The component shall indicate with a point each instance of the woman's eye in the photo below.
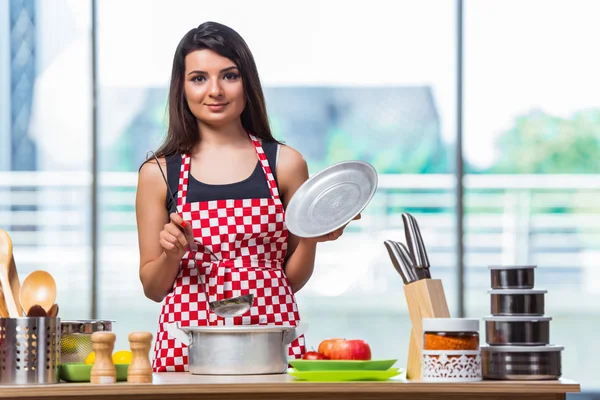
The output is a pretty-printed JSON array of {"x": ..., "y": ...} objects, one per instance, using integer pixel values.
[
  {"x": 231, "y": 76},
  {"x": 198, "y": 78}
]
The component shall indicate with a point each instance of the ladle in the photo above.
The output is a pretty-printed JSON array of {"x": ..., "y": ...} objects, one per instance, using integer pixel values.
[
  {"x": 233, "y": 306},
  {"x": 38, "y": 288}
]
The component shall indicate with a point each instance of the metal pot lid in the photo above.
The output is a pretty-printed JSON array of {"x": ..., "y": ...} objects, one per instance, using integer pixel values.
[
  {"x": 512, "y": 267},
  {"x": 522, "y": 349},
  {"x": 331, "y": 198},
  {"x": 238, "y": 328},
  {"x": 516, "y": 318},
  {"x": 517, "y": 291}
]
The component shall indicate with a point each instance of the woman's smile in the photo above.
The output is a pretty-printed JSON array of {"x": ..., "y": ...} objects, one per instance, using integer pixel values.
[{"x": 216, "y": 107}]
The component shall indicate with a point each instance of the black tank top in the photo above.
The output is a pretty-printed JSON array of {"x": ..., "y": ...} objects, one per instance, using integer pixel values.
[{"x": 255, "y": 186}]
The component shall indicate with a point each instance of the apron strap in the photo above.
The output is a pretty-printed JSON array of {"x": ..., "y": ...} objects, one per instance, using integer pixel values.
[
  {"x": 184, "y": 175},
  {"x": 264, "y": 162},
  {"x": 262, "y": 157}
]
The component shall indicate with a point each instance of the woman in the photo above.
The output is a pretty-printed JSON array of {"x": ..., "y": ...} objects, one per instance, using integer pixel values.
[{"x": 232, "y": 181}]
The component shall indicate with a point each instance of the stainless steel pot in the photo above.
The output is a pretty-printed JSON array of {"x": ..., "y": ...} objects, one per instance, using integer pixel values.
[
  {"x": 512, "y": 276},
  {"x": 521, "y": 362},
  {"x": 517, "y": 302},
  {"x": 518, "y": 331},
  {"x": 237, "y": 350}
]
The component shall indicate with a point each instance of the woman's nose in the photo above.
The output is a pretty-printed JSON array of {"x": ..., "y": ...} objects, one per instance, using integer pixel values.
[{"x": 215, "y": 89}]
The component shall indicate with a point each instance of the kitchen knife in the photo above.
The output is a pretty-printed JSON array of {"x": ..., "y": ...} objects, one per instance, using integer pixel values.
[
  {"x": 395, "y": 257},
  {"x": 416, "y": 245},
  {"x": 419, "y": 273},
  {"x": 424, "y": 263}
]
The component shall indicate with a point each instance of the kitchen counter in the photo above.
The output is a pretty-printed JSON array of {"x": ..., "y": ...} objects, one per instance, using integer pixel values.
[{"x": 187, "y": 386}]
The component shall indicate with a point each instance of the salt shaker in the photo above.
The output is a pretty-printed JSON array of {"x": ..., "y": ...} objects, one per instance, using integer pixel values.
[
  {"x": 103, "y": 370},
  {"x": 140, "y": 370}
]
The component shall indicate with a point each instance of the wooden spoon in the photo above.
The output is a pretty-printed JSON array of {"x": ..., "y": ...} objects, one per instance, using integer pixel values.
[
  {"x": 7, "y": 275},
  {"x": 53, "y": 311},
  {"x": 3, "y": 310},
  {"x": 38, "y": 288},
  {"x": 15, "y": 284},
  {"x": 37, "y": 311}
]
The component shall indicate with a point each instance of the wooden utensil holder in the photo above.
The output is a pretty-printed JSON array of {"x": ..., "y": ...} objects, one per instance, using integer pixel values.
[{"x": 425, "y": 299}]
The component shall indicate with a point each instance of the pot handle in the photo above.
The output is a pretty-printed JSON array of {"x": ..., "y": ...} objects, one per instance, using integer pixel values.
[
  {"x": 176, "y": 333},
  {"x": 293, "y": 334}
]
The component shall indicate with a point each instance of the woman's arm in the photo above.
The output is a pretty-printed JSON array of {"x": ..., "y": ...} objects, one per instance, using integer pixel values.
[
  {"x": 161, "y": 243},
  {"x": 292, "y": 171}
]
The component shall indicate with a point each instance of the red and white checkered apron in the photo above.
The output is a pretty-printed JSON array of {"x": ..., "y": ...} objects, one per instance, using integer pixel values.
[{"x": 248, "y": 242}]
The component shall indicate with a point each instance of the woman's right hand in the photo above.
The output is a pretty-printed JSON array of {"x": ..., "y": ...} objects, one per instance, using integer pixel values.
[{"x": 172, "y": 239}]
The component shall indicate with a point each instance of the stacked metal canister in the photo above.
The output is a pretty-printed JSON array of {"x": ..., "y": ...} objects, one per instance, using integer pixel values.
[{"x": 518, "y": 331}]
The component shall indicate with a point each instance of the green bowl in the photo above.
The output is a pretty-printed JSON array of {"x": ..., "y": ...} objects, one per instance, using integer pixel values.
[{"x": 80, "y": 372}]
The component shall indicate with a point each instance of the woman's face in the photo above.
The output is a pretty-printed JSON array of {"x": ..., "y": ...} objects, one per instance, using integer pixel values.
[{"x": 213, "y": 88}]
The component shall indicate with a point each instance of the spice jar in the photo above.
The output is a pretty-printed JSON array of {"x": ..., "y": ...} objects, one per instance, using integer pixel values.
[{"x": 451, "y": 350}]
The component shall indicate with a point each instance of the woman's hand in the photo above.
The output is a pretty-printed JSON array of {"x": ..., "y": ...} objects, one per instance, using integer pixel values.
[
  {"x": 172, "y": 239},
  {"x": 332, "y": 235}
]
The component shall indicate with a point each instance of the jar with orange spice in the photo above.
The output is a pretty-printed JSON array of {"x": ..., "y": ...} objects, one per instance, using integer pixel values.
[{"x": 451, "y": 350}]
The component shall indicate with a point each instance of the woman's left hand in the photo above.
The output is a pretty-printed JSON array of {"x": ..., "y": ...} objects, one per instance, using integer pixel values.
[{"x": 332, "y": 235}]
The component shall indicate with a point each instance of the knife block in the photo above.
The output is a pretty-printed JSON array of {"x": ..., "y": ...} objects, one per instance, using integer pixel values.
[{"x": 425, "y": 299}]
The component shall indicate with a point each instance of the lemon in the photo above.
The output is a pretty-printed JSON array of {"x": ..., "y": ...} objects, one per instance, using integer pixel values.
[
  {"x": 119, "y": 357},
  {"x": 122, "y": 357},
  {"x": 90, "y": 358}
]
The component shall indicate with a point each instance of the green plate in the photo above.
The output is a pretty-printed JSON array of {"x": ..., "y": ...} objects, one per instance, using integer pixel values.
[
  {"x": 341, "y": 365},
  {"x": 80, "y": 372},
  {"x": 337, "y": 376}
]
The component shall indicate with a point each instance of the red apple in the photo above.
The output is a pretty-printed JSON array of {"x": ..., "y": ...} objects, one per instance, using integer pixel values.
[
  {"x": 353, "y": 349},
  {"x": 314, "y": 355},
  {"x": 326, "y": 345}
]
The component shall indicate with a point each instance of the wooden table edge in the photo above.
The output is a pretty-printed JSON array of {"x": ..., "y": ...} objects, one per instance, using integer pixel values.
[{"x": 562, "y": 386}]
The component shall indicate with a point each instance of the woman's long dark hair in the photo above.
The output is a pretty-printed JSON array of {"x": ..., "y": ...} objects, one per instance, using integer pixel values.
[{"x": 182, "y": 134}]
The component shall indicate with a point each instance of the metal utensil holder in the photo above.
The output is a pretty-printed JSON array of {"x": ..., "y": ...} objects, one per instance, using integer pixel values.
[{"x": 29, "y": 350}]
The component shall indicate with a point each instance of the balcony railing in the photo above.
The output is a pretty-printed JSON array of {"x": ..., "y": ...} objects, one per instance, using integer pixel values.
[{"x": 549, "y": 220}]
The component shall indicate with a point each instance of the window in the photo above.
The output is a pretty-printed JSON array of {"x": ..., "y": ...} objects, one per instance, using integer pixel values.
[
  {"x": 378, "y": 85},
  {"x": 45, "y": 143},
  {"x": 532, "y": 145}
]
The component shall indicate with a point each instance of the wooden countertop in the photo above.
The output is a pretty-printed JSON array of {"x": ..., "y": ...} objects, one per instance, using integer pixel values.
[{"x": 185, "y": 385}]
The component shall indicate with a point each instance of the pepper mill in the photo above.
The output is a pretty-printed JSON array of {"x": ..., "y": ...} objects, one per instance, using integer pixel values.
[
  {"x": 103, "y": 370},
  {"x": 140, "y": 370}
]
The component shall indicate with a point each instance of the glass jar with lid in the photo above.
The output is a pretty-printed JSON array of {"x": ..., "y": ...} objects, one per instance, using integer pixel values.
[{"x": 451, "y": 350}]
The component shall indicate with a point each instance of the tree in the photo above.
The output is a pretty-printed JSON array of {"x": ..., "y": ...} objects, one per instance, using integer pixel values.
[{"x": 540, "y": 143}]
